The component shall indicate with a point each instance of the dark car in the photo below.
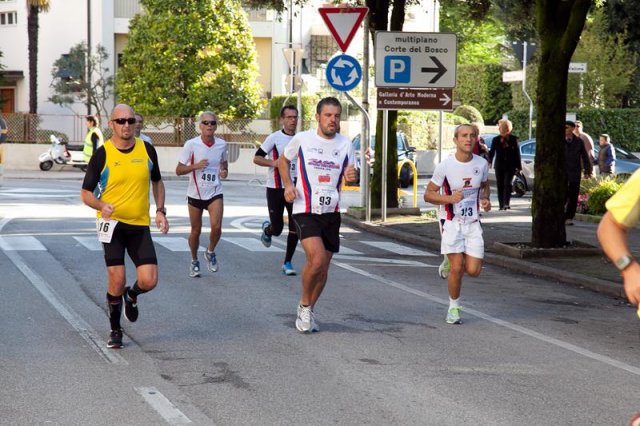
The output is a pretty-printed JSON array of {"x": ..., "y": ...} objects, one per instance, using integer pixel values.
[{"x": 405, "y": 152}]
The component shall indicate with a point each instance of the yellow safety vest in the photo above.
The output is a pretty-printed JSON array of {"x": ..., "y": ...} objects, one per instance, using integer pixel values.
[{"x": 88, "y": 143}]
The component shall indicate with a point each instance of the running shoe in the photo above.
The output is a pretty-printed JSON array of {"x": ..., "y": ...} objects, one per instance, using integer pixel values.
[
  {"x": 444, "y": 268},
  {"x": 212, "y": 262},
  {"x": 130, "y": 306},
  {"x": 453, "y": 316},
  {"x": 287, "y": 269},
  {"x": 265, "y": 238},
  {"x": 115, "y": 339},
  {"x": 194, "y": 269},
  {"x": 303, "y": 321}
]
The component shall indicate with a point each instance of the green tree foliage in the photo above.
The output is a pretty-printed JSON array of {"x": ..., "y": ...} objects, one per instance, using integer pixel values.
[
  {"x": 34, "y": 7},
  {"x": 480, "y": 37},
  {"x": 481, "y": 86},
  {"x": 185, "y": 57},
  {"x": 610, "y": 67},
  {"x": 70, "y": 84}
]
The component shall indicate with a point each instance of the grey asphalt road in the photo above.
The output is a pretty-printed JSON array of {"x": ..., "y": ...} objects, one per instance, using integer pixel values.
[{"x": 222, "y": 349}]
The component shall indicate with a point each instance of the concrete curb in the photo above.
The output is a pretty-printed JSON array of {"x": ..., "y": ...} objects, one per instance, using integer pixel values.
[{"x": 519, "y": 265}]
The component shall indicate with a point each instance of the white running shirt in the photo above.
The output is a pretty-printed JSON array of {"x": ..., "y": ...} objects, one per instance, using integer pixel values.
[
  {"x": 321, "y": 165},
  {"x": 274, "y": 146},
  {"x": 452, "y": 175},
  {"x": 204, "y": 184}
]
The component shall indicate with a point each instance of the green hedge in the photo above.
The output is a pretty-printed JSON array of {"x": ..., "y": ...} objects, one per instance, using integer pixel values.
[
  {"x": 481, "y": 86},
  {"x": 307, "y": 114}
]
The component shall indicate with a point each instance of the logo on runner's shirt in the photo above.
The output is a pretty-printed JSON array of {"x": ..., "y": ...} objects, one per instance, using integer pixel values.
[
  {"x": 324, "y": 164},
  {"x": 467, "y": 182},
  {"x": 324, "y": 179}
]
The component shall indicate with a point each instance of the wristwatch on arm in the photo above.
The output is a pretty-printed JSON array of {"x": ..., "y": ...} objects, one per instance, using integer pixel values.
[
  {"x": 623, "y": 262},
  {"x": 162, "y": 210}
]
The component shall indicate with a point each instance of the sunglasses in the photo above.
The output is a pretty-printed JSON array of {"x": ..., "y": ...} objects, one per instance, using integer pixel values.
[
  {"x": 122, "y": 121},
  {"x": 207, "y": 122}
]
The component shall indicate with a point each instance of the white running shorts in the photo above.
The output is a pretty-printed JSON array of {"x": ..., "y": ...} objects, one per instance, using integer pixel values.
[{"x": 461, "y": 237}]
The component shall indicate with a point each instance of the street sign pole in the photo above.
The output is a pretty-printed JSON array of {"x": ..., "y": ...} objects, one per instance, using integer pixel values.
[
  {"x": 524, "y": 87},
  {"x": 383, "y": 181}
]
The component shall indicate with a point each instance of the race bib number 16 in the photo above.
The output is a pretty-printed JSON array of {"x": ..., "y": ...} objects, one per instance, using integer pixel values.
[{"x": 105, "y": 229}]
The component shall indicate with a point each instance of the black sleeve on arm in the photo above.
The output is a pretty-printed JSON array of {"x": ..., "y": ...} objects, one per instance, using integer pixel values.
[
  {"x": 94, "y": 140},
  {"x": 153, "y": 155},
  {"x": 260, "y": 153},
  {"x": 96, "y": 164}
]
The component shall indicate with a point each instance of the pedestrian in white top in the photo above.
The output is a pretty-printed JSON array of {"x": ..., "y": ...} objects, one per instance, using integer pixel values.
[
  {"x": 267, "y": 156},
  {"x": 463, "y": 178},
  {"x": 204, "y": 159},
  {"x": 323, "y": 157}
]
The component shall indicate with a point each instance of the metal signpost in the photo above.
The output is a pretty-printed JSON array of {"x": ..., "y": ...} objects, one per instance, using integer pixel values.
[{"x": 411, "y": 60}]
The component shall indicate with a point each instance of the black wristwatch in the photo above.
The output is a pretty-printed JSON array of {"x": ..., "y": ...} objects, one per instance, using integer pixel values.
[
  {"x": 623, "y": 262},
  {"x": 162, "y": 210}
]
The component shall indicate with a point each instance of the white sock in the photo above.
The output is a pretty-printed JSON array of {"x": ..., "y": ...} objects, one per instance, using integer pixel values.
[{"x": 454, "y": 303}]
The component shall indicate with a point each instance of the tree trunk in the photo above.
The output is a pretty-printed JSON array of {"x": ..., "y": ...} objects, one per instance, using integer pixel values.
[
  {"x": 559, "y": 26},
  {"x": 32, "y": 32}
]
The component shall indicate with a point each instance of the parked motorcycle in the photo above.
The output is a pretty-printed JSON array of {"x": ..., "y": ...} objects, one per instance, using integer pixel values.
[{"x": 58, "y": 153}]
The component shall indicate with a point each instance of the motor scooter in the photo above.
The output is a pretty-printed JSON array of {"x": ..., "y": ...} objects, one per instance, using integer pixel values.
[{"x": 58, "y": 153}]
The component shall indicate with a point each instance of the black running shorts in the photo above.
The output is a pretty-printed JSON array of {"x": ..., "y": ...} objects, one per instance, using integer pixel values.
[
  {"x": 136, "y": 240},
  {"x": 202, "y": 204},
  {"x": 325, "y": 226}
]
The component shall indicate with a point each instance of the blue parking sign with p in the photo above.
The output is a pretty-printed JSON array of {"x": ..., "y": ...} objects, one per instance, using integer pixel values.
[{"x": 397, "y": 69}]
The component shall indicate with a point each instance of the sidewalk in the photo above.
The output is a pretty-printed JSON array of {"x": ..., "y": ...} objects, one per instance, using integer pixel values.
[{"x": 592, "y": 272}]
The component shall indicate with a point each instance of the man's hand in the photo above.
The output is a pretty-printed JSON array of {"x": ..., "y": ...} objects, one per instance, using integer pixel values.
[
  {"x": 456, "y": 197},
  {"x": 106, "y": 211},
  {"x": 290, "y": 193},
  {"x": 162, "y": 223},
  {"x": 631, "y": 277},
  {"x": 350, "y": 174},
  {"x": 485, "y": 203},
  {"x": 201, "y": 164}
]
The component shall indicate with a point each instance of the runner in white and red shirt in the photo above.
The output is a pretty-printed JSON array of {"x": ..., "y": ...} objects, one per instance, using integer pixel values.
[
  {"x": 267, "y": 156},
  {"x": 204, "y": 159},
  {"x": 323, "y": 157},
  {"x": 464, "y": 179}
]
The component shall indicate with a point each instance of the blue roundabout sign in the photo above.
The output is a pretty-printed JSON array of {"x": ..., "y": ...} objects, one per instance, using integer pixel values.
[{"x": 344, "y": 72}]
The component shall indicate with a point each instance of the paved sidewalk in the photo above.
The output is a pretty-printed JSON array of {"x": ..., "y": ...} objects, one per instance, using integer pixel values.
[{"x": 592, "y": 272}]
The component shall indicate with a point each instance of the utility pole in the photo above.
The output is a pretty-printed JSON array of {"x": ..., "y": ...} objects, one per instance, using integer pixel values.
[{"x": 88, "y": 57}]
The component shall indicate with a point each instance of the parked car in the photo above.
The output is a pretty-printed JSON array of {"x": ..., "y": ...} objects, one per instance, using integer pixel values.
[
  {"x": 626, "y": 162},
  {"x": 405, "y": 152}
]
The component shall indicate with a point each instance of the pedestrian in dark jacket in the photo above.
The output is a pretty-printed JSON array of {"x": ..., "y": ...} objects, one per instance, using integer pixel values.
[
  {"x": 606, "y": 156},
  {"x": 575, "y": 156},
  {"x": 506, "y": 153}
]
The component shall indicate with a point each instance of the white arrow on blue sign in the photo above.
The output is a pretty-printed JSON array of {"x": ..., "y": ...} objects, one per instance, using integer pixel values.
[{"x": 344, "y": 73}]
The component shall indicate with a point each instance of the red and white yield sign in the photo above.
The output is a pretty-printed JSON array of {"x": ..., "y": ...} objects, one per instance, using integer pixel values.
[{"x": 343, "y": 23}]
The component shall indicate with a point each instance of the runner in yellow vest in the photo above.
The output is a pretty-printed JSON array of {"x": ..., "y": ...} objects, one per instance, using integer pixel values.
[{"x": 94, "y": 139}]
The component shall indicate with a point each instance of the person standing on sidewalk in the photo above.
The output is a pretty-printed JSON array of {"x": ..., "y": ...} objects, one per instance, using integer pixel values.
[
  {"x": 464, "y": 178},
  {"x": 606, "y": 156},
  {"x": 623, "y": 213},
  {"x": 204, "y": 159},
  {"x": 576, "y": 158},
  {"x": 506, "y": 152},
  {"x": 93, "y": 139},
  {"x": 116, "y": 185},
  {"x": 323, "y": 158},
  {"x": 587, "y": 142},
  {"x": 273, "y": 147}
]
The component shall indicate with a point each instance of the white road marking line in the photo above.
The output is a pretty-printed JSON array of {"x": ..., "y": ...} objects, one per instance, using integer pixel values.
[
  {"x": 15, "y": 243},
  {"x": 348, "y": 251},
  {"x": 523, "y": 330},
  {"x": 84, "y": 329},
  {"x": 91, "y": 243},
  {"x": 251, "y": 244},
  {"x": 397, "y": 248},
  {"x": 398, "y": 262},
  {"x": 163, "y": 406}
]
